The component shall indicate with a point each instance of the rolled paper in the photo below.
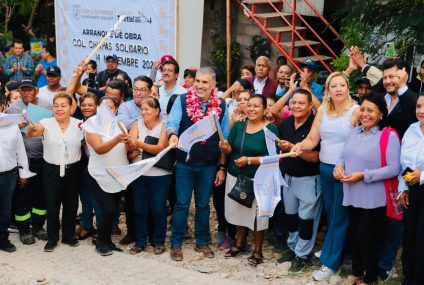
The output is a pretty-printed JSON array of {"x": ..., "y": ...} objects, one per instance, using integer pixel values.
[
  {"x": 220, "y": 134},
  {"x": 288, "y": 154},
  {"x": 114, "y": 29},
  {"x": 122, "y": 128}
]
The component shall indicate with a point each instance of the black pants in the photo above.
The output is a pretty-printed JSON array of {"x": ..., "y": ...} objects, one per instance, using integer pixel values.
[
  {"x": 29, "y": 201},
  {"x": 365, "y": 228},
  {"x": 109, "y": 205},
  {"x": 129, "y": 210},
  {"x": 61, "y": 191},
  {"x": 413, "y": 238},
  {"x": 218, "y": 203}
]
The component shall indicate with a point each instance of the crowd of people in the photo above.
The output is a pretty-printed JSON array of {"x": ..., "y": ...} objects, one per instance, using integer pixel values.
[{"x": 357, "y": 169}]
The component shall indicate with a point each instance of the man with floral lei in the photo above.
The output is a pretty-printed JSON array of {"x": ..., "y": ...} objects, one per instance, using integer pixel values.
[{"x": 203, "y": 168}]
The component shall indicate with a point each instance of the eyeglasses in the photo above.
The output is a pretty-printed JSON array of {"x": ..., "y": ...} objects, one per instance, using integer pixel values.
[{"x": 142, "y": 90}]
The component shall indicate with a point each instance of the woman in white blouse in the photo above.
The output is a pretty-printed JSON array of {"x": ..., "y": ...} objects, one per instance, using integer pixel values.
[
  {"x": 62, "y": 139},
  {"x": 106, "y": 152},
  {"x": 412, "y": 198}
]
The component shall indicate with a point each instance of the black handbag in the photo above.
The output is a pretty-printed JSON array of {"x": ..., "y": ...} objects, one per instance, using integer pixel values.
[
  {"x": 167, "y": 162},
  {"x": 242, "y": 191}
]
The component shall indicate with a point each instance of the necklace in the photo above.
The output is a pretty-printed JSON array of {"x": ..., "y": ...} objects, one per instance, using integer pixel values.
[{"x": 194, "y": 108}]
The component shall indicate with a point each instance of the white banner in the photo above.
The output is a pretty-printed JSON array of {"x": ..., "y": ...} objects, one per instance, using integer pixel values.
[
  {"x": 267, "y": 186},
  {"x": 147, "y": 33},
  {"x": 200, "y": 131}
]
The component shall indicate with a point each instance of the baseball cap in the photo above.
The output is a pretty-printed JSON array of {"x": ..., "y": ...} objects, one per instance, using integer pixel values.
[
  {"x": 28, "y": 82},
  {"x": 164, "y": 58},
  {"x": 54, "y": 70},
  {"x": 311, "y": 64},
  {"x": 363, "y": 80},
  {"x": 112, "y": 57}
]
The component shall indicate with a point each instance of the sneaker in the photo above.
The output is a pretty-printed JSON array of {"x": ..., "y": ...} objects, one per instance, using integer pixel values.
[
  {"x": 7, "y": 246},
  {"x": 113, "y": 247},
  {"x": 103, "y": 249},
  {"x": 27, "y": 238},
  {"x": 13, "y": 228},
  {"x": 206, "y": 250},
  {"x": 50, "y": 246},
  {"x": 71, "y": 243},
  {"x": 116, "y": 231},
  {"x": 220, "y": 238},
  {"x": 176, "y": 253},
  {"x": 40, "y": 233},
  {"x": 317, "y": 254},
  {"x": 323, "y": 273},
  {"x": 299, "y": 264},
  {"x": 288, "y": 255}
]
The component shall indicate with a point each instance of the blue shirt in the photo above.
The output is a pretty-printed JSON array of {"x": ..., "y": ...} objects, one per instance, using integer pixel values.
[
  {"x": 317, "y": 90},
  {"x": 42, "y": 80},
  {"x": 176, "y": 114},
  {"x": 412, "y": 153},
  {"x": 25, "y": 60},
  {"x": 128, "y": 113},
  {"x": 164, "y": 97}
]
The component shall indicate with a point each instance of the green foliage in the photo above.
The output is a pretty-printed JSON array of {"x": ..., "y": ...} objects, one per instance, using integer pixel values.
[
  {"x": 370, "y": 24},
  {"x": 218, "y": 58},
  {"x": 260, "y": 46},
  {"x": 341, "y": 63}
]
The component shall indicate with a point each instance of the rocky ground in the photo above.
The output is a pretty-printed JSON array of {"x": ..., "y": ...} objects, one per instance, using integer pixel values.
[{"x": 82, "y": 265}]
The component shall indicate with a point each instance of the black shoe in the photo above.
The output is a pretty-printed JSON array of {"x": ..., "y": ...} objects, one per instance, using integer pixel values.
[
  {"x": 71, "y": 243},
  {"x": 26, "y": 238},
  {"x": 40, "y": 233},
  {"x": 113, "y": 247},
  {"x": 299, "y": 264},
  {"x": 7, "y": 246},
  {"x": 50, "y": 246},
  {"x": 287, "y": 256},
  {"x": 103, "y": 249}
]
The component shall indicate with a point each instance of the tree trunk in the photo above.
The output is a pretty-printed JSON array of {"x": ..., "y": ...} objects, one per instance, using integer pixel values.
[
  {"x": 8, "y": 16},
  {"x": 28, "y": 27}
]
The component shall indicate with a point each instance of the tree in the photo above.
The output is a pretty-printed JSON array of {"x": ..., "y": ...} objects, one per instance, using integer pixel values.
[{"x": 371, "y": 24}]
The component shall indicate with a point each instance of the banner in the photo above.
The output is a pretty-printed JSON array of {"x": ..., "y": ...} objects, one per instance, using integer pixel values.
[
  {"x": 200, "y": 131},
  {"x": 147, "y": 33},
  {"x": 102, "y": 121},
  {"x": 36, "y": 46},
  {"x": 8, "y": 120},
  {"x": 270, "y": 139},
  {"x": 267, "y": 186},
  {"x": 126, "y": 174}
]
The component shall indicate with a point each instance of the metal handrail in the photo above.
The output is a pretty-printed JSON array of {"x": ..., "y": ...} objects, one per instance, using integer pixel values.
[
  {"x": 308, "y": 46},
  {"x": 271, "y": 38}
]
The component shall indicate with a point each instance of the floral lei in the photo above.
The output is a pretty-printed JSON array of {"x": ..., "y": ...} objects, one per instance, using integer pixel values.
[{"x": 194, "y": 109}]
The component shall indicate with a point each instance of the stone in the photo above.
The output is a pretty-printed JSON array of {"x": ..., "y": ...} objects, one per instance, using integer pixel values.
[{"x": 204, "y": 269}]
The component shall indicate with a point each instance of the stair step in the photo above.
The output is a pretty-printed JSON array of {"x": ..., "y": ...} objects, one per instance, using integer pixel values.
[
  {"x": 312, "y": 57},
  {"x": 299, "y": 44},
  {"x": 260, "y": 1},
  {"x": 285, "y": 29},
  {"x": 271, "y": 15}
]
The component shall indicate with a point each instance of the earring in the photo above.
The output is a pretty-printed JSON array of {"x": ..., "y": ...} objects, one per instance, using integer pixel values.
[
  {"x": 328, "y": 98},
  {"x": 381, "y": 117}
]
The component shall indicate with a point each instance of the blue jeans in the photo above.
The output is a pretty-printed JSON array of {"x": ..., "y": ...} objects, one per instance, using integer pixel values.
[
  {"x": 150, "y": 194},
  {"x": 392, "y": 240},
  {"x": 337, "y": 218},
  {"x": 88, "y": 203},
  {"x": 7, "y": 186},
  {"x": 189, "y": 178}
]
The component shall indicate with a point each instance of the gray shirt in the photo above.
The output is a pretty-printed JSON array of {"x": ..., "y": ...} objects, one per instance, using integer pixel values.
[
  {"x": 362, "y": 153},
  {"x": 33, "y": 146}
]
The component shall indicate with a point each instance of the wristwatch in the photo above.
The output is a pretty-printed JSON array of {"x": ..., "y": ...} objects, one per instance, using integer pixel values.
[
  {"x": 249, "y": 162},
  {"x": 171, "y": 134}
]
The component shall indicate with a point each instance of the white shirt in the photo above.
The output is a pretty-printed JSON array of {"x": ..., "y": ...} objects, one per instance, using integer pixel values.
[
  {"x": 259, "y": 85},
  {"x": 98, "y": 163},
  {"x": 61, "y": 148},
  {"x": 12, "y": 151},
  {"x": 388, "y": 98},
  {"x": 412, "y": 153},
  {"x": 47, "y": 95}
]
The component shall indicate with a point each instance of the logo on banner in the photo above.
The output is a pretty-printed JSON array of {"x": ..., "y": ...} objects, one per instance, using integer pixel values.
[{"x": 76, "y": 11}]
